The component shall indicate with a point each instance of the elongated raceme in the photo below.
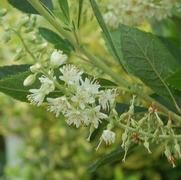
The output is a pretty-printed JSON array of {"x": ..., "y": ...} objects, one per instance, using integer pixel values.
[
  {"x": 85, "y": 103},
  {"x": 135, "y": 12}
]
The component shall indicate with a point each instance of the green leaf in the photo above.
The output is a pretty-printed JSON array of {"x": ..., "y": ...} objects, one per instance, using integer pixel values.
[
  {"x": 80, "y": 12},
  {"x": 106, "y": 32},
  {"x": 114, "y": 156},
  {"x": 56, "y": 40},
  {"x": 23, "y": 5},
  {"x": 65, "y": 8},
  {"x": 164, "y": 102},
  {"x": 172, "y": 47},
  {"x": 175, "y": 80},
  {"x": 147, "y": 58},
  {"x": 7, "y": 71},
  {"x": 59, "y": 14},
  {"x": 13, "y": 86},
  {"x": 121, "y": 108},
  {"x": 11, "y": 81}
]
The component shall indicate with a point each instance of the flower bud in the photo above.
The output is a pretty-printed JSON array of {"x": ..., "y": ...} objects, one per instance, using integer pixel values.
[
  {"x": 35, "y": 68},
  {"x": 169, "y": 156},
  {"x": 108, "y": 136},
  {"x": 29, "y": 80},
  {"x": 57, "y": 58}
]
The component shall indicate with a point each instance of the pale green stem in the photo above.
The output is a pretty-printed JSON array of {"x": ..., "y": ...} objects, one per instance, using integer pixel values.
[
  {"x": 52, "y": 20},
  {"x": 24, "y": 44},
  {"x": 123, "y": 126}
]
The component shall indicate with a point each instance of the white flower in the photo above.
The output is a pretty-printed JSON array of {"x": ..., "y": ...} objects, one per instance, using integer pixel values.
[
  {"x": 70, "y": 75},
  {"x": 76, "y": 117},
  {"x": 85, "y": 93},
  {"x": 108, "y": 136},
  {"x": 95, "y": 116},
  {"x": 107, "y": 98},
  {"x": 111, "y": 19},
  {"x": 82, "y": 98},
  {"x": 57, "y": 58},
  {"x": 35, "y": 68},
  {"x": 136, "y": 12},
  {"x": 29, "y": 80},
  {"x": 38, "y": 95},
  {"x": 58, "y": 105},
  {"x": 91, "y": 87},
  {"x": 47, "y": 85}
]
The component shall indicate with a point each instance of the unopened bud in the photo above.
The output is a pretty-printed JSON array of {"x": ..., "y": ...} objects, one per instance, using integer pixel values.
[
  {"x": 171, "y": 159},
  {"x": 29, "y": 80},
  {"x": 57, "y": 58},
  {"x": 35, "y": 68},
  {"x": 108, "y": 137},
  {"x": 169, "y": 156},
  {"x": 152, "y": 109}
]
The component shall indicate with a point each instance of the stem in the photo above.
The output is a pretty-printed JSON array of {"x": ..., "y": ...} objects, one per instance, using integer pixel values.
[
  {"x": 123, "y": 126},
  {"x": 99, "y": 63},
  {"x": 52, "y": 20},
  {"x": 24, "y": 44}
]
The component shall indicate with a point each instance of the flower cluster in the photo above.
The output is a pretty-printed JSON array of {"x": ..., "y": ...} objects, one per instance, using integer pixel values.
[
  {"x": 135, "y": 12},
  {"x": 83, "y": 103},
  {"x": 147, "y": 130}
]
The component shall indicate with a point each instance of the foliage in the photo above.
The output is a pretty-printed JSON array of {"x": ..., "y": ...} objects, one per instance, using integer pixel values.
[{"x": 124, "y": 66}]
